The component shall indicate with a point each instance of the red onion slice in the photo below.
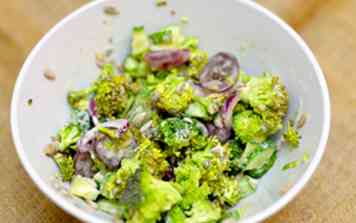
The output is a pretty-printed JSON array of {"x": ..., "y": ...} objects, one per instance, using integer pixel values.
[
  {"x": 167, "y": 59},
  {"x": 220, "y": 73},
  {"x": 83, "y": 164},
  {"x": 228, "y": 109},
  {"x": 93, "y": 111}
]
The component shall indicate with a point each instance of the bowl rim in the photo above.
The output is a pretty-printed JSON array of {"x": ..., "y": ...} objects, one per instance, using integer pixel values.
[{"x": 79, "y": 213}]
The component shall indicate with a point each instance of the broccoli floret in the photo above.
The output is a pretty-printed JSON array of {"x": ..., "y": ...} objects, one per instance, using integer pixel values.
[
  {"x": 197, "y": 61},
  {"x": 84, "y": 187},
  {"x": 135, "y": 68},
  {"x": 258, "y": 159},
  {"x": 177, "y": 132},
  {"x": 249, "y": 127},
  {"x": 197, "y": 110},
  {"x": 212, "y": 102},
  {"x": 82, "y": 119},
  {"x": 265, "y": 93},
  {"x": 235, "y": 155},
  {"x": 227, "y": 190},
  {"x": 141, "y": 110},
  {"x": 152, "y": 158},
  {"x": 111, "y": 96},
  {"x": 167, "y": 38},
  {"x": 65, "y": 165},
  {"x": 174, "y": 94},
  {"x": 164, "y": 36},
  {"x": 113, "y": 184},
  {"x": 79, "y": 100},
  {"x": 68, "y": 136},
  {"x": 175, "y": 215},
  {"x": 158, "y": 197},
  {"x": 204, "y": 211},
  {"x": 140, "y": 42},
  {"x": 291, "y": 136}
]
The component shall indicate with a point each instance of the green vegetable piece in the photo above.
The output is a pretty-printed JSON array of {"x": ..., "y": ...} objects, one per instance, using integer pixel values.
[
  {"x": 152, "y": 158},
  {"x": 198, "y": 59},
  {"x": 132, "y": 195},
  {"x": 164, "y": 36},
  {"x": 176, "y": 215},
  {"x": 140, "y": 42},
  {"x": 169, "y": 37},
  {"x": 79, "y": 100},
  {"x": 244, "y": 78},
  {"x": 82, "y": 119},
  {"x": 291, "y": 136},
  {"x": 257, "y": 159},
  {"x": 68, "y": 136},
  {"x": 111, "y": 96},
  {"x": 233, "y": 215},
  {"x": 249, "y": 127},
  {"x": 227, "y": 190},
  {"x": 212, "y": 103},
  {"x": 135, "y": 68},
  {"x": 84, "y": 187},
  {"x": 109, "y": 188},
  {"x": 197, "y": 110},
  {"x": 174, "y": 94},
  {"x": 108, "y": 206},
  {"x": 178, "y": 133},
  {"x": 184, "y": 19},
  {"x": 191, "y": 43},
  {"x": 296, "y": 163},
  {"x": 265, "y": 93},
  {"x": 158, "y": 197},
  {"x": 247, "y": 186},
  {"x": 65, "y": 165},
  {"x": 204, "y": 211}
]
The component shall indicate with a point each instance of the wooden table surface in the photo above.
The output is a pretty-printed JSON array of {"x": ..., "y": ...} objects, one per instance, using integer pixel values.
[{"x": 328, "y": 26}]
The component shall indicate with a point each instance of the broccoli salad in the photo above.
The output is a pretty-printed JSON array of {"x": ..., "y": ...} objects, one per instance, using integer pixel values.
[{"x": 174, "y": 136}]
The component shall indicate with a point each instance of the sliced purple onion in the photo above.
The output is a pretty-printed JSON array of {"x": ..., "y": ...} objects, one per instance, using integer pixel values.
[
  {"x": 88, "y": 141},
  {"x": 211, "y": 129},
  {"x": 203, "y": 128},
  {"x": 223, "y": 134},
  {"x": 109, "y": 158},
  {"x": 167, "y": 59},
  {"x": 83, "y": 164},
  {"x": 121, "y": 125},
  {"x": 228, "y": 109},
  {"x": 93, "y": 111},
  {"x": 220, "y": 73}
]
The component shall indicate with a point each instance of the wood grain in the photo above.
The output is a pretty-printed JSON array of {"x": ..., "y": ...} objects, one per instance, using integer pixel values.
[{"x": 326, "y": 25}]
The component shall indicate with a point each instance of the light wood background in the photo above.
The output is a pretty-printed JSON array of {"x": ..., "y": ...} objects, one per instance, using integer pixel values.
[{"x": 328, "y": 26}]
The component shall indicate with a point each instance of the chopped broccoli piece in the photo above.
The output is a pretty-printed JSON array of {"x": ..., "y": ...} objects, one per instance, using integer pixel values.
[
  {"x": 233, "y": 215},
  {"x": 108, "y": 187},
  {"x": 79, "y": 100},
  {"x": 82, "y": 119},
  {"x": 296, "y": 163},
  {"x": 169, "y": 37},
  {"x": 191, "y": 43},
  {"x": 132, "y": 195},
  {"x": 257, "y": 159},
  {"x": 178, "y": 133},
  {"x": 247, "y": 185},
  {"x": 108, "y": 206},
  {"x": 84, "y": 187},
  {"x": 249, "y": 127},
  {"x": 265, "y": 93},
  {"x": 235, "y": 155},
  {"x": 227, "y": 190},
  {"x": 174, "y": 94},
  {"x": 158, "y": 197},
  {"x": 68, "y": 136},
  {"x": 204, "y": 211},
  {"x": 163, "y": 36},
  {"x": 197, "y": 110},
  {"x": 176, "y": 215},
  {"x": 65, "y": 165},
  {"x": 212, "y": 102},
  {"x": 111, "y": 96},
  {"x": 140, "y": 42},
  {"x": 197, "y": 61},
  {"x": 152, "y": 158},
  {"x": 291, "y": 136},
  {"x": 135, "y": 68}
]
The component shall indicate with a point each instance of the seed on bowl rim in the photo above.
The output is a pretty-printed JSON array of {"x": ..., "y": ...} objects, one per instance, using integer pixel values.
[
  {"x": 111, "y": 11},
  {"x": 49, "y": 75}
]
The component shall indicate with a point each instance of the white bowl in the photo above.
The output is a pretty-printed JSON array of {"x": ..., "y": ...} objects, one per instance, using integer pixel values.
[{"x": 261, "y": 41}]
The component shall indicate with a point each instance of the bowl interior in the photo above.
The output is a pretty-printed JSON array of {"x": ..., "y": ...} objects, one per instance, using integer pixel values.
[{"x": 259, "y": 41}]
